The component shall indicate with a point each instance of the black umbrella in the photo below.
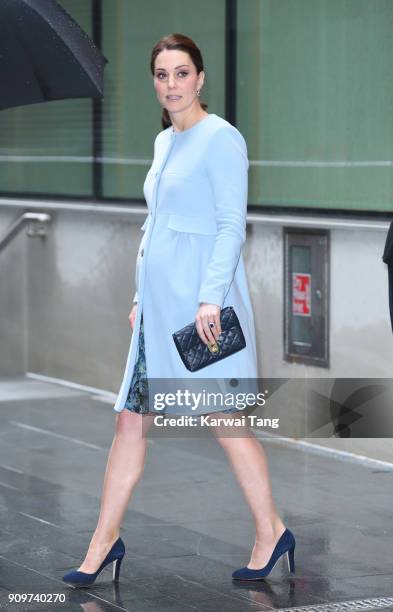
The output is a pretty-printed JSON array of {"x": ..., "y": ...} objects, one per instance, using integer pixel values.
[{"x": 45, "y": 55}]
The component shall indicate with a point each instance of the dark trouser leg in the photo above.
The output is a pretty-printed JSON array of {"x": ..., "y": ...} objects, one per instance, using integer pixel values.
[{"x": 390, "y": 271}]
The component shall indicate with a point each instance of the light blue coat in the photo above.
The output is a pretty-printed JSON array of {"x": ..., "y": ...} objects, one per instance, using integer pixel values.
[{"x": 191, "y": 250}]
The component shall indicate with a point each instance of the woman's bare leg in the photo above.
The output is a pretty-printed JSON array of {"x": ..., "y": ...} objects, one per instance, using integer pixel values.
[
  {"x": 124, "y": 468},
  {"x": 249, "y": 462}
]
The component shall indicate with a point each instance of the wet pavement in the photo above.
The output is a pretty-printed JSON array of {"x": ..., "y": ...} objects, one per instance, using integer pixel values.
[{"x": 187, "y": 527}]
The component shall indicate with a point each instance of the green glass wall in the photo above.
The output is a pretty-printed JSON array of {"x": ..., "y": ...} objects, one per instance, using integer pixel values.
[
  {"x": 314, "y": 102},
  {"x": 132, "y": 113},
  {"x": 312, "y": 97}
]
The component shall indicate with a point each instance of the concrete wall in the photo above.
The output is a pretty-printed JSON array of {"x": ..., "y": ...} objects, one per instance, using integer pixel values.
[
  {"x": 13, "y": 299},
  {"x": 78, "y": 283},
  {"x": 361, "y": 340},
  {"x": 65, "y": 299}
]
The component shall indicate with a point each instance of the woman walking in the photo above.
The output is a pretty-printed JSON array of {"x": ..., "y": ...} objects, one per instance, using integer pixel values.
[{"x": 189, "y": 267}]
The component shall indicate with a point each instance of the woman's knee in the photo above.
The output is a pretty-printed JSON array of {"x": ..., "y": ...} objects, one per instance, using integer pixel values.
[
  {"x": 131, "y": 424},
  {"x": 230, "y": 436}
]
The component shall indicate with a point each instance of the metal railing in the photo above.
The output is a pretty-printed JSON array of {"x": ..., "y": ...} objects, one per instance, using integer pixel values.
[
  {"x": 37, "y": 224},
  {"x": 253, "y": 218}
]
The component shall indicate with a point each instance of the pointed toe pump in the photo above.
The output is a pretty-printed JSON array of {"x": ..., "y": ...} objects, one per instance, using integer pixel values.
[
  {"x": 115, "y": 556},
  {"x": 285, "y": 545}
]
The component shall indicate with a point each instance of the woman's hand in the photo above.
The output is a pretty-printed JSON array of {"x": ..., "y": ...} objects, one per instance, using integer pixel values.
[
  {"x": 208, "y": 313},
  {"x": 132, "y": 315}
]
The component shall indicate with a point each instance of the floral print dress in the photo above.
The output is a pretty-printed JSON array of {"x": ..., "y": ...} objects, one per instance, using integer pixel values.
[{"x": 138, "y": 394}]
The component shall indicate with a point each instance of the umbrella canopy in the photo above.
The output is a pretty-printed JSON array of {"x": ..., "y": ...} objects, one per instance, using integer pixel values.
[{"x": 45, "y": 55}]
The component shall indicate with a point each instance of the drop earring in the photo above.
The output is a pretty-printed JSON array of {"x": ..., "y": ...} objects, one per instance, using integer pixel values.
[{"x": 198, "y": 92}]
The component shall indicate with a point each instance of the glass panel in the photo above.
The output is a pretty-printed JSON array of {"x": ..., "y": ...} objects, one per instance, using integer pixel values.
[
  {"x": 46, "y": 148},
  {"x": 132, "y": 113},
  {"x": 314, "y": 103},
  {"x": 301, "y": 296}
]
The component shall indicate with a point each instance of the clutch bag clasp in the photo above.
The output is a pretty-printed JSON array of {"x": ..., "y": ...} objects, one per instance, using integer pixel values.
[{"x": 213, "y": 347}]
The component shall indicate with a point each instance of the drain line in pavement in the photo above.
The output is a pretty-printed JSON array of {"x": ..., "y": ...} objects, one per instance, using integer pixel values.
[{"x": 377, "y": 603}]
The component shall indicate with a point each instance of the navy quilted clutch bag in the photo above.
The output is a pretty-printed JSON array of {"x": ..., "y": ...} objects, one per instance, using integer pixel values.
[{"x": 195, "y": 354}]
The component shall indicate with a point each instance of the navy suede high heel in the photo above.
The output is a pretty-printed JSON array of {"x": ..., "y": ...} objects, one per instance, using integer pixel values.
[
  {"x": 115, "y": 556},
  {"x": 286, "y": 544}
]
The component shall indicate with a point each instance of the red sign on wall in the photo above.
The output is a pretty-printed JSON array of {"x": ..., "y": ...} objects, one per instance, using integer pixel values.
[{"x": 301, "y": 294}]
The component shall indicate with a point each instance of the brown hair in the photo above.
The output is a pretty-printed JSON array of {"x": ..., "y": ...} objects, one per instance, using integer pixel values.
[{"x": 182, "y": 43}]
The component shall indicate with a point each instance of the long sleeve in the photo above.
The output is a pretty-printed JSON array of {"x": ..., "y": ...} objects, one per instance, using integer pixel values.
[{"x": 227, "y": 167}]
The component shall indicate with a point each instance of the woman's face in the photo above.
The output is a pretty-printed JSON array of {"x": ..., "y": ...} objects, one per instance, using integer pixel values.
[{"x": 176, "y": 80}]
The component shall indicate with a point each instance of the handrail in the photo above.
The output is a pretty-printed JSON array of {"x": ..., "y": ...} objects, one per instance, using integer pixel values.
[
  {"x": 253, "y": 218},
  {"x": 37, "y": 226}
]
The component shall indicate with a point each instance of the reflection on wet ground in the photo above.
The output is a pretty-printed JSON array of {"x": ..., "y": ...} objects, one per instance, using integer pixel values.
[{"x": 187, "y": 527}]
